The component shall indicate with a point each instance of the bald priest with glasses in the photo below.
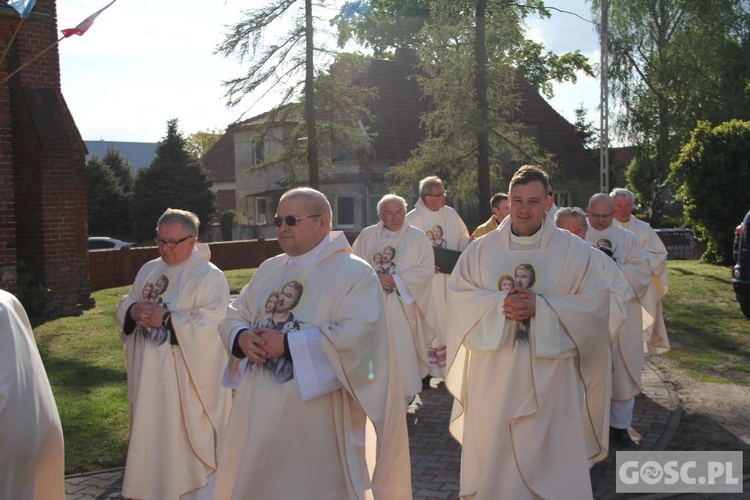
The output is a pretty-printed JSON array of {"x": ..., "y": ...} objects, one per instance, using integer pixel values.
[
  {"x": 174, "y": 356},
  {"x": 312, "y": 362}
]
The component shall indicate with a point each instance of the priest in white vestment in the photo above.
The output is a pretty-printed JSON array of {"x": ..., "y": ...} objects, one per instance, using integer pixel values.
[
  {"x": 655, "y": 332},
  {"x": 445, "y": 229},
  {"x": 308, "y": 387},
  {"x": 573, "y": 219},
  {"x": 518, "y": 357},
  {"x": 623, "y": 247},
  {"x": 174, "y": 358},
  {"x": 406, "y": 285},
  {"x": 31, "y": 438}
]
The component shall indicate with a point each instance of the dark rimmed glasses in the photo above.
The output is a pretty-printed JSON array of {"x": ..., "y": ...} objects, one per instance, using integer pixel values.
[
  {"x": 439, "y": 195},
  {"x": 171, "y": 244},
  {"x": 291, "y": 220}
]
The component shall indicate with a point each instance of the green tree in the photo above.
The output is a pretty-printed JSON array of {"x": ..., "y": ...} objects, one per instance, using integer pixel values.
[
  {"x": 277, "y": 63},
  {"x": 672, "y": 63},
  {"x": 108, "y": 202},
  {"x": 174, "y": 179},
  {"x": 586, "y": 131},
  {"x": 470, "y": 58},
  {"x": 121, "y": 168},
  {"x": 344, "y": 104},
  {"x": 383, "y": 25},
  {"x": 199, "y": 143},
  {"x": 713, "y": 170}
]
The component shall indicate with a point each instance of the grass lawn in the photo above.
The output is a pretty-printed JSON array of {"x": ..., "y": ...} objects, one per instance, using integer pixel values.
[
  {"x": 84, "y": 360},
  {"x": 709, "y": 335}
]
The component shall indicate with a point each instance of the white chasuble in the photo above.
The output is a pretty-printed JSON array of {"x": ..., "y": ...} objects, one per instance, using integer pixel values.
[
  {"x": 627, "y": 353},
  {"x": 276, "y": 444},
  {"x": 408, "y": 256},
  {"x": 525, "y": 430},
  {"x": 445, "y": 229},
  {"x": 31, "y": 436},
  {"x": 178, "y": 408},
  {"x": 655, "y": 336}
]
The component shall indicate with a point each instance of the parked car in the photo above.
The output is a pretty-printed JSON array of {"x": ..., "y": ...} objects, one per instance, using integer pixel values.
[
  {"x": 107, "y": 243},
  {"x": 741, "y": 271}
]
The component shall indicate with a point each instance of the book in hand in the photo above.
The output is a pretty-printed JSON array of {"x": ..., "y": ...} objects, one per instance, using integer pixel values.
[{"x": 446, "y": 259}]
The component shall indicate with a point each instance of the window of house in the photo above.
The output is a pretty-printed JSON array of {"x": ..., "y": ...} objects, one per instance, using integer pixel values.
[
  {"x": 260, "y": 212},
  {"x": 372, "y": 209},
  {"x": 563, "y": 199},
  {"x": 345, "y": 212},
  {"x": 260, "y": 155}
]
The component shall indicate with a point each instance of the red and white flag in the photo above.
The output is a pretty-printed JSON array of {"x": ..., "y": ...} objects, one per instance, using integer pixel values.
[{"x": 84, "y": 25}]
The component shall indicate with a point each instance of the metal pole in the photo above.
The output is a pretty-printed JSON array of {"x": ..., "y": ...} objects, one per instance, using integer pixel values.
[{"x": 603, "y": 104}]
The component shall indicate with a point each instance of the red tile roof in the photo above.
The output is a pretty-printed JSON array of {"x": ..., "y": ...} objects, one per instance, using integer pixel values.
[{"x": 219, "y": 160}]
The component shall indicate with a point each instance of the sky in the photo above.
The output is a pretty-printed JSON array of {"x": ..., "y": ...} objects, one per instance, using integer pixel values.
[{"x": 143, "y": 63}]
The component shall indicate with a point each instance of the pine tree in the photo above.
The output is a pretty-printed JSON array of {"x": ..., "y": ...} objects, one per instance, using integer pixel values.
[{"x": 174, "y": 179}]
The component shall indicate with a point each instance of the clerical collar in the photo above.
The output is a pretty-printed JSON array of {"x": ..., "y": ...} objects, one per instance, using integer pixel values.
[
  {"x": 311, "y": 257},
  {"x": 527, "y": 240},
  {"x": 388, "y": 234}
]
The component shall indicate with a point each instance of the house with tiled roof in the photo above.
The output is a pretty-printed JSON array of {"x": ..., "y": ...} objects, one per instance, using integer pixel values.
[
  {"x": 355, "y": 186},
  {"x": 577, "y": 176},
  {"x": 219, "y": 162}
]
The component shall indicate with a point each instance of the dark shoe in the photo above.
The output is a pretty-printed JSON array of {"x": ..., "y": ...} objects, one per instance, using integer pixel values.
[
  {"x": 620, "y": 438},
  {"x": 426, "y": 383}
]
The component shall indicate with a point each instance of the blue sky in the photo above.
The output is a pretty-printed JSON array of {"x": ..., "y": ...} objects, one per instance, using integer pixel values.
[{"x": 144, "y": 62}]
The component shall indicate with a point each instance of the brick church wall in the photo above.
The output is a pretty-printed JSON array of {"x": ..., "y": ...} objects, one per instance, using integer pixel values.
[{"x": 43, "y": 192}]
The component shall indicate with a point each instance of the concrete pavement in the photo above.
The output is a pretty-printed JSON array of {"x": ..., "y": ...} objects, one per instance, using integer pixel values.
[{"x": 436, "y": 457}]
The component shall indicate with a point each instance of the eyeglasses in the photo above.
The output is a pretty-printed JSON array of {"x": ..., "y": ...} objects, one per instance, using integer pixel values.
[
  {"x": 388, "y": 213},
  {"x": 291, "y": 220},
  {"x": 439, "y": 195},
  {"x": 171, "y": 244}
]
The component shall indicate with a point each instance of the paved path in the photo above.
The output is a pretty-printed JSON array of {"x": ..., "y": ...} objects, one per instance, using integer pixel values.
[{"x": 436, "y": 456}]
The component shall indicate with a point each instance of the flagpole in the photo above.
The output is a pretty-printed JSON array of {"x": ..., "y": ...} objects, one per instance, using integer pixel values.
[
  {"x": 40, "y": 54},
  {"x": 12, "y": 39}
]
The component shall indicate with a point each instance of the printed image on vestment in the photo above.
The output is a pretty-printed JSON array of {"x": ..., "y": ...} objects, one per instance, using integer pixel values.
[
  {"x": 152, "y": 293},
  {"x": 383, "y": 262},
  {"x": 435, "y": 235},
  {"x": 606, "y": 246},
  {"x": 524, "y": 276},
  {"x": 277, "y": 314},
  {"x": 506, "y": 283}
]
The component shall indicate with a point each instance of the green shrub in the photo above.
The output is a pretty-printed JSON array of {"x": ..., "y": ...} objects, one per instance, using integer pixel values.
[
  {"x": 30, "y": 292},
  {"x": 227, "y": 220}
]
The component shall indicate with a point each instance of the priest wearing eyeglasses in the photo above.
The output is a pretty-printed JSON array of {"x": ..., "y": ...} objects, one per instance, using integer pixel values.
[
  {"x": 174, "y": 358},
  {"x": 307, "y": 388}
]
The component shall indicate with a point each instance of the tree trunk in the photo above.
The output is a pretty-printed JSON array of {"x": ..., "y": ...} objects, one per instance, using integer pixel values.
[
  {"x": 480, "y": 89},
  {"x": 312, "y": 138}
]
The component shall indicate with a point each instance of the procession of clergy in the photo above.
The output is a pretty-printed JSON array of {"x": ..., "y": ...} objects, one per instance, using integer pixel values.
[{"x": 539, "y": 333}]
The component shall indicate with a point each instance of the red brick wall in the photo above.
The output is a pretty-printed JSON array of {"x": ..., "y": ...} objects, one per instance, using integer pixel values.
[
  {"x": 111, "y": 268},
  {"x": 42, "y": 170}
]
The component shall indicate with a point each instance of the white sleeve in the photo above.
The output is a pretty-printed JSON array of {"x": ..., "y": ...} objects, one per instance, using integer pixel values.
[
  {"x": 231, "y": 376},
  {"x": 403, "y": 291},
  {"x": 313, "y": 373}
]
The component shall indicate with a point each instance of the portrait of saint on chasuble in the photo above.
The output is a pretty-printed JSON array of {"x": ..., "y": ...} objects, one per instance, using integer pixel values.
[
  {"x": 435, "y": 235},
  {"x": 277, "y": 314},
  {"x": 152, "y": 293},
  {"x": 524, "y": 275},
  {"x": 383, "y": 261},
  {"x": 606, "y": 246}
]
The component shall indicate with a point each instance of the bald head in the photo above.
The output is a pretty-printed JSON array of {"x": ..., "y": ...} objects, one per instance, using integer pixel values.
[
  {"x": 313, "y": 200},
  {"x": 600, "y": 211}
]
